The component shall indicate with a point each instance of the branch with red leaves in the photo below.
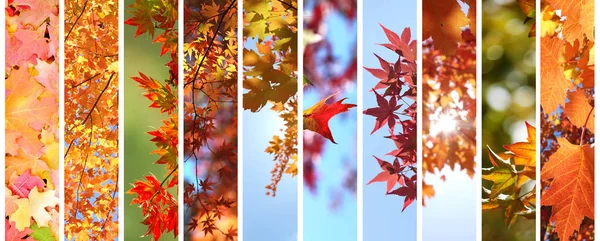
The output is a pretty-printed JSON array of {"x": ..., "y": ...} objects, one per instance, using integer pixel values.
[
  {"x": 396, "y": 107},
  {"x": 159, "y": 206}
]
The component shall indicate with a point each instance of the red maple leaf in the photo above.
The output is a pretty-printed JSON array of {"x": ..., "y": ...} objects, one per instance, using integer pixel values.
[
  {"x": 384, "y": 112},
  {"x": 316, "y": 118},
  {"x": 388, "y": 174}
]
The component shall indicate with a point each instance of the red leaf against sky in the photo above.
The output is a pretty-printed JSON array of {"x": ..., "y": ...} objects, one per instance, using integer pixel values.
[
  {"x": 409, "y": 192},
  {"x": 384, "y": 112},
  {"x": 316, "y": 118},
  {"x": 389, "y": 174}
]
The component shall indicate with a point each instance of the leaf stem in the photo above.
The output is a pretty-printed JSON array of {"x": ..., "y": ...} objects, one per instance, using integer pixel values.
[{"x": 584, "y": 126}]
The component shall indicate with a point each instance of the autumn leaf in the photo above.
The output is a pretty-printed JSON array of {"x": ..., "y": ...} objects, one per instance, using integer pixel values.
[
  {"x": 389, "y": 174},
  {"x": 555, "y": 84},
  {"x": 409, "y": 192},
  {"x": 528, "y": 7},
  {"x": 24, "y": 183},
  {"x": 13, "y": 234},
  {"x": 503, "y": 174},
  {"x": 384, "y": 112},
  {"x": 443, "y": 22},
  {"x": 316, "y": 118},
  {"x": 579, "y": 18},
  {"x": 571, "y": 193},
  {"x": 525, "y": 153},
  {"x": 579, "y": 111}
]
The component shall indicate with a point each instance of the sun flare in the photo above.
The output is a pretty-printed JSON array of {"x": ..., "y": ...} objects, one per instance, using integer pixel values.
[{"x": 445, "y": 124}]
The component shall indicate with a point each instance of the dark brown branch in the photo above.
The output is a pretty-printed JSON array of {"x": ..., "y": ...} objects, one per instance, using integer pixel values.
[
  {"x": 289, "y": 5},
  {"x": 212, "y": 41},
  {"x": 96, "y": 103},
  {"x": 86, "y": 80},
  {"x": 76, "y": 20}
]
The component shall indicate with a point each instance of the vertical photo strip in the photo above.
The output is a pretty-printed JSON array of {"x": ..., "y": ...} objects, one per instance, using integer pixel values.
[
  {"x": 390, "y": 120},
  {"x": 31, "y": 132},
  {"x": 151, "y": 120},
  {"x": 508, "y": 121},
  {"x": 567, "y": 120},
  {"x": 91, "y": 128},
  {"x": 210, "y": 85},
  {"x": 330, "y": 90},
  {"x": 270, "y": 114},
  {"x": 449, "y": 103}
]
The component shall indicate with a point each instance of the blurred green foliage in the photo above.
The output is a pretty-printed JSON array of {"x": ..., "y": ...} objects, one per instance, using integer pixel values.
[
  {"x": 141, "y": 55},
  {"x": 508, "y": 56}
]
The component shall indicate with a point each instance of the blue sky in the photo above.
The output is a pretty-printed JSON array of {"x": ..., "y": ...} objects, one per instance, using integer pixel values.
[
  {"x": 320, "y": 221},
  {"x": 266, "y": 217},
  {"x": 383, "y": 219}
]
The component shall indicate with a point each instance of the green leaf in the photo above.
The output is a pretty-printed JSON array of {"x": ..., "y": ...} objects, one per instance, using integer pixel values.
[{"x": 42, "y": 234}]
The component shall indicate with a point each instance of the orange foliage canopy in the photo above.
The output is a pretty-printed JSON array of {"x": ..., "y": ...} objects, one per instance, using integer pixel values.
[
  {"x": 449, "y": 61},
  {"x": 91, "y": 120},
  {"x": 567, "y": 97}
]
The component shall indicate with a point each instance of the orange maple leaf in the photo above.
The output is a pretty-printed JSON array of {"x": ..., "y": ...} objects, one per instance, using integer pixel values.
[
  {"x": 571, "y": 193},
  {"x": 556, "y": 83},
  {"x": 525, "y": 152},
  {"x": 443, "y": 21},
  {"x": 579, "y": 18},
  {"x": 579, "y": 110}
]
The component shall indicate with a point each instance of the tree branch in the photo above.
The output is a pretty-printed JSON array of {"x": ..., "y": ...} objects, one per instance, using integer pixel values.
[
  {"x": 96, "y": 103},
  {"x": 212, "y": 41},
  {"x": 76, "y": 20}
]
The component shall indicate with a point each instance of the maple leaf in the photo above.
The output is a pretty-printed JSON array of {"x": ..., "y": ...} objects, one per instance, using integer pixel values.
[
  {"x": 579, "y": 111},
  {"x": 142, "y": 18},
  {"x": 23, "y": 184},
  {"x": 571, "y": 193},
  {"x": 579, "y": 18},
  {"x": 316, "y": 118},
  {"x": 389, "y": 174},
  {"x": 525, "y": 153},
  {"x": 555, "y": 84},
  {"x": 384, "y": 112},
  {"x": 503, "y": 174},
  {"x": 28, "y": 108},
  {"x": 13, "y": 234},
  {"x": 409, "y": 192},
  {"x": 443, "y": 22},
  {"x": 528, "y": 7},
  {"x": 42, "y": 233}
]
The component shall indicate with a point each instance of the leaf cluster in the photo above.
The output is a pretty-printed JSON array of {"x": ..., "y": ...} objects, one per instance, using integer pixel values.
[
  {"x": 449, "y": 87},
  {"x": 567, "y": 137},
  {"x": 270, "y": 60},
  {"x": 91, "y": 117},
  {"x": 159, "y": 207},
  {"x": 396, "y": 110},
  {"x": 210, "y": 118},
  {"x": 32, "y": 120},
  {"x": 510, "y": 182}
]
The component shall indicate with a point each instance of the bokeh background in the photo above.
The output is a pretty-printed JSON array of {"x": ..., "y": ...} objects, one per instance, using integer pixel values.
[
  {"x": 508, "y": 57},
  {"x": 141, "y": 55},
  {"x": 382, "y": 216}
]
